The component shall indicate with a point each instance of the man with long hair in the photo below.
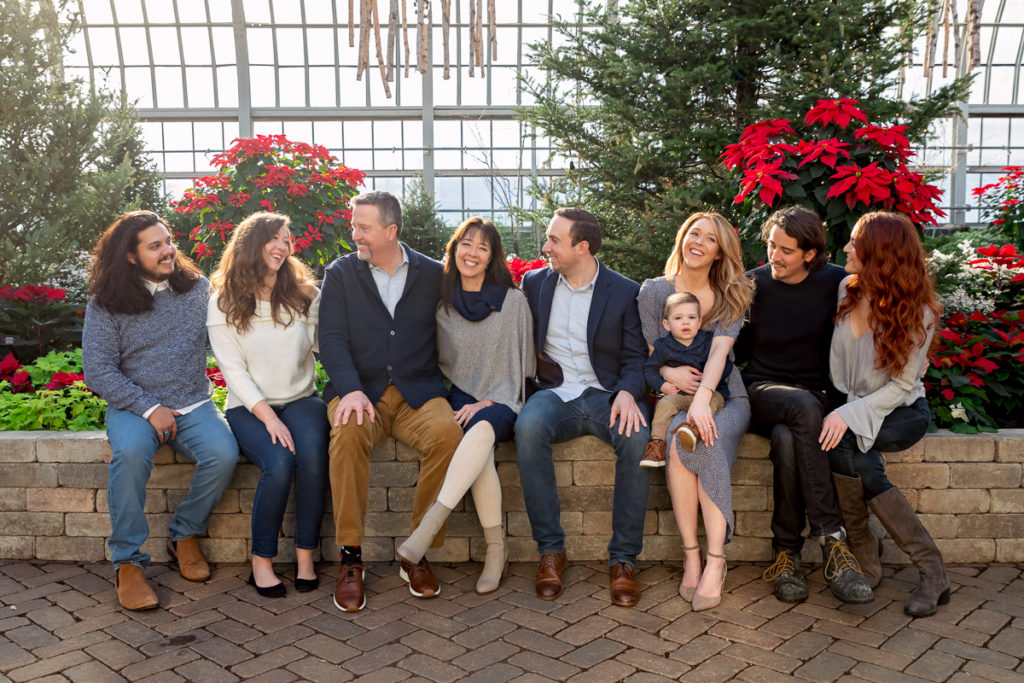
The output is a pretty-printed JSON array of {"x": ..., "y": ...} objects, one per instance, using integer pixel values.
[
  {"x": 144, "y": 352},
  {"x": 378, "y": 345},
  {"x": 787, "y": 343}
]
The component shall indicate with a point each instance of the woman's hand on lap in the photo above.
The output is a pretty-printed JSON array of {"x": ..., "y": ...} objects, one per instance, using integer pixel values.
[
  {"x": 832, "y": 430},
  {"x": 464, "y": 414}
]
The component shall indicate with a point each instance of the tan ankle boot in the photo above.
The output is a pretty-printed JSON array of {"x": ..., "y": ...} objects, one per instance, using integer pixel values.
[
  {"x": 132, "y": 590},
  {"x": 495, "y": 561},
  {"x": 189, "y": 557}
]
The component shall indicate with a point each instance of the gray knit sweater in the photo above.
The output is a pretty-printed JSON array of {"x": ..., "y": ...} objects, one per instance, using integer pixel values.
[
  {"x": 490, "y": 358},
  {"x": 135, "y": 362}
]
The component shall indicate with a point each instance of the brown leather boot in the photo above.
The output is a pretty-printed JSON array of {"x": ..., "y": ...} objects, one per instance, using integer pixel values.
[
  {"x": 132, "y": 590},
  {"x": 189, "y": 557},
  {"x": 899, "y": 519},
  {"x": 548, "y": 582},
  {"x": 864, "y": 545}
]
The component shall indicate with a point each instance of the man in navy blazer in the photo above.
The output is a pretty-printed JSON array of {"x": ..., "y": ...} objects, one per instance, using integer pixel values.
[
  {"x": 591, "y": 355},
  {"x": 377, "y": 344}
]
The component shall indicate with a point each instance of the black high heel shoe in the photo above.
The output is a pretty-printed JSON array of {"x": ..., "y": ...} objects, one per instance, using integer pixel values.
[
  {"x": 276, "y": 591},
  {"x": 306, "y": 585}
]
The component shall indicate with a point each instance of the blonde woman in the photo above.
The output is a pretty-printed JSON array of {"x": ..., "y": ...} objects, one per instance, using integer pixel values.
[
  {"x": 262, "y": 325},
  {"x": 705, "y": 262}
]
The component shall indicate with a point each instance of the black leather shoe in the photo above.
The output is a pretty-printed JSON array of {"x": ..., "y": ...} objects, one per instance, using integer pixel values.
[
  {"x": 276, "y": 591},
  {"x": 305, "y": 585}
]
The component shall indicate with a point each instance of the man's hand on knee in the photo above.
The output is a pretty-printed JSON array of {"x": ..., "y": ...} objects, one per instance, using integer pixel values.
[
  {"x": 163, "y": 421},
  {"x": 353, "y": 402},
  {"x": 630, "y": 417}
]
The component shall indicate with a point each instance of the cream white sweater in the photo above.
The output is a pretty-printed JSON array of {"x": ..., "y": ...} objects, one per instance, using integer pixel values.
[{"x": 268, "y": 362}]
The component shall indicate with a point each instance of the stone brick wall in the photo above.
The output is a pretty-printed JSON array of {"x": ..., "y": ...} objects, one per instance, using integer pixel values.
[{"x": 53, "y": 501}]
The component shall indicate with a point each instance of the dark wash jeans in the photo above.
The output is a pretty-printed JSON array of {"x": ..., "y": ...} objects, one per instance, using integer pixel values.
[
  {"x": 306, "y": 419},
  {"x": 546, "y": 420},
  {"x": 901, "y": 429},
  {"x": 791, "y": 417}
]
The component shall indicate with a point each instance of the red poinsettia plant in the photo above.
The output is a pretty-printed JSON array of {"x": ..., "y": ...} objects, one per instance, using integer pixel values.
[
  {"x": 37, "y": 318},
  {"x": 271, "y": 173},
  {"x": 519, "y": 267},
  {"x": 834, "y": 161},
  {"x": 1002, "y": 203}
]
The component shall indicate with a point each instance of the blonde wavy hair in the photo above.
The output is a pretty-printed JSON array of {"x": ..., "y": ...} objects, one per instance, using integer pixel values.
[{"x": 733, "y": 290}]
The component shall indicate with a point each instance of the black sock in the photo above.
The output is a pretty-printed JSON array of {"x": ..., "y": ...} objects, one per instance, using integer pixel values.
[{"x": 351, "y": 554}]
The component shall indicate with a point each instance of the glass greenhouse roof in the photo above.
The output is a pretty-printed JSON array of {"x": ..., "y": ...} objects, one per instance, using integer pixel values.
[{"x": 206, "y": 71}]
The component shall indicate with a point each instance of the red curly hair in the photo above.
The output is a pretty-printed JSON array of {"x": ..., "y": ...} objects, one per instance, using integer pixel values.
[{"x": 895, "y": 281}]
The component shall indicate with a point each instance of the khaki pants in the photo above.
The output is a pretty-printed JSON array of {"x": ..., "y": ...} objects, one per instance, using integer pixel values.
[
  {"x": 431, "y": 429},
  {"x": 670, "y": 405}
]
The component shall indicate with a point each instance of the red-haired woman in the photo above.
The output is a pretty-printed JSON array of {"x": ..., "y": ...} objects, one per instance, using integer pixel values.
[{"x": 887, "y": 315}]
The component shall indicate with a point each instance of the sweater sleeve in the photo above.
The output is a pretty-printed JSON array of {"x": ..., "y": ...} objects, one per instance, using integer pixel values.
[
  {"x": 527, "y": 355},
  {"x": 101, "y": 363},
  {"x": 230, "y": 357},
  {"x": 865, "y": 415},
  {"x": 652, "y": 367}
]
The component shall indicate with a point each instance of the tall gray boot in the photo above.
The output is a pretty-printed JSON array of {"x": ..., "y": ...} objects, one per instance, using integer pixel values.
[
  {"x": 899, "y": 519},
  {"x": 415, "y": 547},
  {"x": 864, "y": 545},
  {"x": 495, "y": 561}
]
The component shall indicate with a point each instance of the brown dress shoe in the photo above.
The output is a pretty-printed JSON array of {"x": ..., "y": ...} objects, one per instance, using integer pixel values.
[
  {"x": 623, "y": 584},
  {"x": 549, "y": 575},
  {"x": 421, "y": 580},
  {"x": 654, "y": 454},
  {"x": 349, "y": 595},
  {"x": 132, "y": 590},
  {"x": 189, "y": 557}
]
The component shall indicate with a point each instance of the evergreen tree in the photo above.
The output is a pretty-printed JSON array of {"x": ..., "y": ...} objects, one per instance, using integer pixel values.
[
  {"x": 644, "y": 101},
  {"x": 71, "y": 158}
]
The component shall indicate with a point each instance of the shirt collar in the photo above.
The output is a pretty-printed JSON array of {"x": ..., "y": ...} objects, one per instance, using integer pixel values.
[
  {"x": 590, "y": 285},
  {"x": 155, "y": 287},
  {"x": 405, "y": 261}
]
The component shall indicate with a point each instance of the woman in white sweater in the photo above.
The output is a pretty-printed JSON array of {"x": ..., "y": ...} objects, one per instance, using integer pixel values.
[
  {"x": 262, "y": 325},
  {"x": 884, "y": 327},
  {"x": 485, "y": 348}
]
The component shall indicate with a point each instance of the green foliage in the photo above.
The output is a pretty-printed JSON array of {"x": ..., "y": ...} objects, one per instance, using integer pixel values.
[
  {"x": 644, "y": 102},
  {"x": 423, "y": 229},
  {"x": 71, "y": 157},
  {"x": 37, "y": 319},
  {"x": 1002, "y": 204},
  {"x": 56, "y": 400}
]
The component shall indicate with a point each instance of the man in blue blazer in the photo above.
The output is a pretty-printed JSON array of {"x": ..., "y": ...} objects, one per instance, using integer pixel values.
[
  {"x": 591, "y": 355},
  {"x": 377, "y": 344}
]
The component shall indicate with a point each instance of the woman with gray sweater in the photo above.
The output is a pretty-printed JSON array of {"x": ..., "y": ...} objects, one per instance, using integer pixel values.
[
  {"x": 884, "y": 327},
  {"x": 485, "y": 348}
]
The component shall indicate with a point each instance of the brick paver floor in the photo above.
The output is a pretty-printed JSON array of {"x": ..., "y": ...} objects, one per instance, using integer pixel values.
[{"x": 60, "y": 621}]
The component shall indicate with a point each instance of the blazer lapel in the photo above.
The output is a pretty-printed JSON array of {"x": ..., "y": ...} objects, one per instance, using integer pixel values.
[
  {"x": 597, "y": 304},
  {"x": 544, "y": 298}
]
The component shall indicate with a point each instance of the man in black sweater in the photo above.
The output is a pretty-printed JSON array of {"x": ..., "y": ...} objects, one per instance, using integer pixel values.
[{"x": 786, "y": 344}]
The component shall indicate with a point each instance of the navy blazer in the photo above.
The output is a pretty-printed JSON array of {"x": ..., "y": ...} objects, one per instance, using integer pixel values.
[
  {"x": 614, "y": 337},
  {"x": 362, "y": 346}
]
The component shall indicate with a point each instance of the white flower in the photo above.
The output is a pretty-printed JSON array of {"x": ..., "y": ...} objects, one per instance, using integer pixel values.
[{"x": 957, "y": 412}]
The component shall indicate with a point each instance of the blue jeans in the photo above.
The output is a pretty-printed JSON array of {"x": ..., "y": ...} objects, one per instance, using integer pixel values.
[
  {"x": 900, "y": 430},
  {"x": 546, "y": 420},
  {"x": 306, "y": 419},
  {"x": 203, "y": 436}
]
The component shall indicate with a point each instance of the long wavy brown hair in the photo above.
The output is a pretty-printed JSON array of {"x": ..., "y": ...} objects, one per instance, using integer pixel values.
[
  {"x": 894, "y": 279},
  {"x": 733, "y": 291},
  {"x": 497, "y": 272},
  {"x": 241, "y": 272},
  {"x": 115, "y": 283}
]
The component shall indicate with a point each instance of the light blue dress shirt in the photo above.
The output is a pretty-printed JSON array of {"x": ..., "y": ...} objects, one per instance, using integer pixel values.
[
  {"x": 566, "y": 342},
  {"x": 391, "y": 286}
]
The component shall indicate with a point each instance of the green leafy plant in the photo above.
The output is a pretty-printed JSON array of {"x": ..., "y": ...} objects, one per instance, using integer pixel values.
[
  {"x": 35, "y": 318},
  {"x": 48, "y": 394},
  {"x": 1003, "y": 203},
  {"x": 975, "y": 381},
  {"x": 271, "y": 173}
]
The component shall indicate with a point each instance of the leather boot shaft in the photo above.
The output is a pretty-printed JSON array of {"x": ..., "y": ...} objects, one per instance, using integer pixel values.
[{"x": 864, "y": 545}]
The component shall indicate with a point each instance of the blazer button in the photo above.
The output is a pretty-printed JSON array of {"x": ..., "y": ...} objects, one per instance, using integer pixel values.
[
  {"x": 389, "y": 368},
  {"x": 392, "y": 333}
]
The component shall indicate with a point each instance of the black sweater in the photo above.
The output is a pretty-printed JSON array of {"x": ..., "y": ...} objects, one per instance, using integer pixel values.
[{"x": 788, "y": 336}]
